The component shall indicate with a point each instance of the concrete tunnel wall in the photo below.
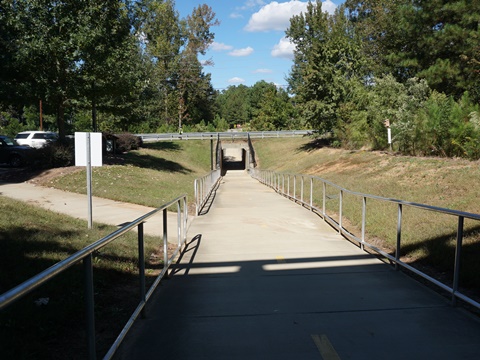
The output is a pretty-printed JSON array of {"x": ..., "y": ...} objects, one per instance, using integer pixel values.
[{"x": 234, "y": 158}]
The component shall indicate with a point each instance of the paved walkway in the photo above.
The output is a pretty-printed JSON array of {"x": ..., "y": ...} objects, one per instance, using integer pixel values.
[
  {"x": 104, "y": 211},
  {"x": 263, "y": 278}
]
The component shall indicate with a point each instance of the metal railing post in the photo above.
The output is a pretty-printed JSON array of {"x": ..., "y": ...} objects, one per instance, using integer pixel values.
[
  {"x": 179, "y": 223},
  {"x": 288, "y": 185},
  {"x": 165, "y": 240},
  {"x": 458, "y": 254},
  {"x": 311, "y": 193},
  {"x": 141, "y": 266},
  {"x": 90, "y": 306},
  {"x": 295, "y": 187},
  {"x": 340, "y": 229},
  {"x": 324, "y": 198},
  {"x": 399, "y": 236},
  {"x": 301, "y": 190},
  {"x": 195, "y": 186},
  {"x": 185, "y": 218},
  {"x": 364, "y": 221}
]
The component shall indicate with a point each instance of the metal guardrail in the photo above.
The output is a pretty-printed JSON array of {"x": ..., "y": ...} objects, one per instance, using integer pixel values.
[
  {"x": 204, "y": 187},
  {"x": 293, "y": 186},
  {"x": 228, "y": 135},
  {"x": 85, "y": 255}
]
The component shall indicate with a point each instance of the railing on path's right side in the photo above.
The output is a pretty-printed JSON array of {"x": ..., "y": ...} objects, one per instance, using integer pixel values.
[{"x": 305, "y": 188}]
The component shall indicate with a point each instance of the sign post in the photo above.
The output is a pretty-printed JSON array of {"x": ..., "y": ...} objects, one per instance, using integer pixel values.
[
  {"x": 386, "y": 122},
  {"x": 88, "y": 152}
]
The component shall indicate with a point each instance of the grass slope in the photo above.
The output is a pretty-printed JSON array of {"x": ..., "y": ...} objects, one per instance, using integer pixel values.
[{"x": 428, "y": 239}]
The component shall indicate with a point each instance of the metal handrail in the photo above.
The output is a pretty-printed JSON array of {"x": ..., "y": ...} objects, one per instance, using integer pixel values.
[
  {"x": 204, "y": 187},
  {"x": 85, "y": 254},
  {"x": 292, "y": 186}
]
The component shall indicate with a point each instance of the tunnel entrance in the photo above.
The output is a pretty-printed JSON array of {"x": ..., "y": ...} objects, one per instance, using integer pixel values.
[{"x": 233, "y": 158}]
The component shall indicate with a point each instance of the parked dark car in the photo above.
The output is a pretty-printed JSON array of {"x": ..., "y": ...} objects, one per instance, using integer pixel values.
[{"x": 13, "y": 154}]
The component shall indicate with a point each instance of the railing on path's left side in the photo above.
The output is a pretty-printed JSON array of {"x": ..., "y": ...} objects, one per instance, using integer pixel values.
[
  {"x": 204, "y": 187},
  {"x": 305, "y": 188},
  {"x": 86, "y": 255}
]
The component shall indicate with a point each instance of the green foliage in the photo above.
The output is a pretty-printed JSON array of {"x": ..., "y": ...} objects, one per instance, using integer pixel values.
[
  {"x": 262, "y": 106},
  {"x": 436, "y": 40},
  {"x": 128, "y": 65},
  {"x": 327, "y": 58}
]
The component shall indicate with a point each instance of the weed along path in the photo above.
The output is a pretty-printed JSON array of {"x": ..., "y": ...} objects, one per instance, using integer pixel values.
[{"x": 263, "y": 278}]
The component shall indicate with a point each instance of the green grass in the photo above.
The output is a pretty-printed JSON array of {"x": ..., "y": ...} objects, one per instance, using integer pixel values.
[
  {"x": 428, "y": 239},
  {"x": 151, "y": 176},
  {"x": 37, "y": 240}
]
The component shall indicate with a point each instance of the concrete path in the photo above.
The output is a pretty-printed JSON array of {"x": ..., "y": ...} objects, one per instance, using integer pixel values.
[
  {"x": 104, "y": 211},
  {"x": 263, "y": 278}
]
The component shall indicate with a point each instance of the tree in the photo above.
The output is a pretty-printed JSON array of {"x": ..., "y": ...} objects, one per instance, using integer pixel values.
[
  {"x": 432, "y": 39},
  {"x": 326, "y": 58},
  {"x": 174, "y": 45}
]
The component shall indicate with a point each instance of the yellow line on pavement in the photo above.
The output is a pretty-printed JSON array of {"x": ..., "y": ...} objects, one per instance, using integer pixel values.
[
  {"x": 327, "y": 351},
  {"x": 281, "y": 260}
]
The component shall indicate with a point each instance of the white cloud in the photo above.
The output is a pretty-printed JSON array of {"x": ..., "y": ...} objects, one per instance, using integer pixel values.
[
  {"x": 328, "y": 6},
  {"x": 284, "y": 49},
  {"x": 251, "y": 3},
  {"x": 241, "y": 52},
  {"x": 236, "y": 80},
  {"x": 215, "y": 46},
  {"x": 276, "y": 16},
  {"x": 236, "y": 15},
  {"x": 262, "y": 71}
]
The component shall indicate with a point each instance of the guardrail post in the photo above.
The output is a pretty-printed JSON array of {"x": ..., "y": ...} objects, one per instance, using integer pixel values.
[
  {"x": 90, "y": 306},
  {"x": 399, "y": 236},
  {"x": 458, "y": 255},
  {"x": 141, "y": 266}
]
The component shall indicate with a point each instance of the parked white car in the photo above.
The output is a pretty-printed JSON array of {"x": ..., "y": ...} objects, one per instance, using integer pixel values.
[{"x": 35, "y": 139}]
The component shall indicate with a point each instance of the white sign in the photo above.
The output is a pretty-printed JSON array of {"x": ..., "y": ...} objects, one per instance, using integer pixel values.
[{"x": 81, "y": 149}]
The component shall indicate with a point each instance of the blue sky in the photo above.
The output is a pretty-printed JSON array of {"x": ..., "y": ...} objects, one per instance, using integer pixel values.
[{"x": 250, "y": 42}]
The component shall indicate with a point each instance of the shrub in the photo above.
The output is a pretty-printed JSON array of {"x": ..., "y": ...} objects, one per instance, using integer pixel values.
[
  {"x": 56, "y": 154},
  {"x": 127, "y": 142}
]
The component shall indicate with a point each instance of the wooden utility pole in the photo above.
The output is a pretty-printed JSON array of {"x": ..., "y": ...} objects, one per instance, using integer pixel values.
[{"x": 41, "y": 116}]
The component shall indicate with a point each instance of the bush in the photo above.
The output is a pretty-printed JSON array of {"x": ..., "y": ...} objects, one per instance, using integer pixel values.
[
  {"x": 56, "y": 154},
  {"x": 126, "y": 142}
]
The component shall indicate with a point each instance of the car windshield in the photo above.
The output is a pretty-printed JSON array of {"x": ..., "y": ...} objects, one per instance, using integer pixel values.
[{"x": 8, "y": 141}]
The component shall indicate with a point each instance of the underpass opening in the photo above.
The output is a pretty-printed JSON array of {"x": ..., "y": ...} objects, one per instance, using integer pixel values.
[{"x": 233, "y": 158}]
